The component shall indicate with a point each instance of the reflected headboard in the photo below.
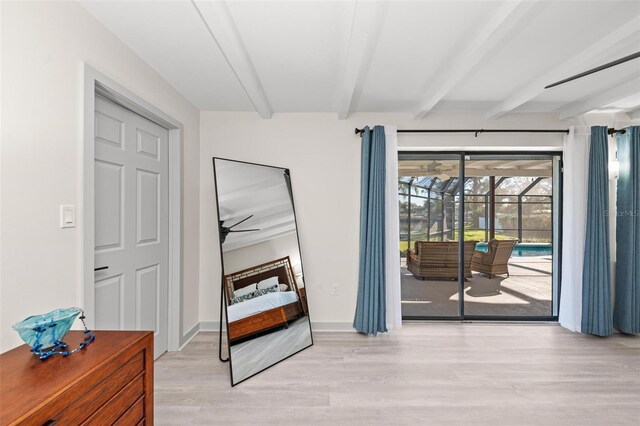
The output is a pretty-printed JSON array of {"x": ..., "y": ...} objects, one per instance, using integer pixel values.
[{"x": 280, "y": 268}]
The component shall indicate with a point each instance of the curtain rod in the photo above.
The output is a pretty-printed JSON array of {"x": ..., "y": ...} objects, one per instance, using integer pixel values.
[
  {"x": 611, "y": 132},
  {"x": 476, "y": 131}
]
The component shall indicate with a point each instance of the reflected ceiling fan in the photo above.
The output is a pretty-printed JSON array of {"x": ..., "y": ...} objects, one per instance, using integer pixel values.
[
  {"x": 225, "y": 230},
  {"x": 435, "y": 169},
  {"x": 596, "y": 69}
]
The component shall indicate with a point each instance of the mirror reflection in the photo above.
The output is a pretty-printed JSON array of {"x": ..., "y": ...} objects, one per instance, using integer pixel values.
[{"x": 265, "y": 295}]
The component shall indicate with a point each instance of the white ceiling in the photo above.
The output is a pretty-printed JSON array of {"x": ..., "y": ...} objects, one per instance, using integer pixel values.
[
  {"x": 245, "y": 189},
  {"x": 415, "y": 57}
]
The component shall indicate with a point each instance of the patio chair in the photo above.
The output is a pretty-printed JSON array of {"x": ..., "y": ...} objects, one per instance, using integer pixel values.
[
  {"x": 439, "y": 259},
  {"x": 495, "y": 260}
]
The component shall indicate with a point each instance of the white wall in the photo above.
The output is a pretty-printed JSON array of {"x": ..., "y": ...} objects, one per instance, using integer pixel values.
[
  {"x": 323, "y": 155},
  {"x": 44, "y": 46},
  {"x": 256, "y": 254}
]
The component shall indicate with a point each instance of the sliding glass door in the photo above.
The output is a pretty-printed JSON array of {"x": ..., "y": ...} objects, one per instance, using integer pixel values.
[
  {"x": 428, "y": 191},
  {"x": 506, "y": 264},
  {"x": 509, "y": 213}
]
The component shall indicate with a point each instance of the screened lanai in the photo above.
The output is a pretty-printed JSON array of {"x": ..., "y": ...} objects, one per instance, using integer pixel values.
[
  {"x": 507, "y": 198},
  {"x": 522, "y": 207}
]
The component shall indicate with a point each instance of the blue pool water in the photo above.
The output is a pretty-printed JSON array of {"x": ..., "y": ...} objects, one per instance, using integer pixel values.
[{"x": 524, "y": 250}]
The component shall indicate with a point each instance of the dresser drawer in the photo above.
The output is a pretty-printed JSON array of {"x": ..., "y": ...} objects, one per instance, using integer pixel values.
[
  {"x": 93, "y": 393},
  {"x": 110, "y": 412},
  {"x": 134, "y": 415}
]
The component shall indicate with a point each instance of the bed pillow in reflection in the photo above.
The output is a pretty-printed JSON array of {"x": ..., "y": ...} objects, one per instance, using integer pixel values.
[
  {"x": 245, "y": 290},
  {"x": 269, "y": 282}
]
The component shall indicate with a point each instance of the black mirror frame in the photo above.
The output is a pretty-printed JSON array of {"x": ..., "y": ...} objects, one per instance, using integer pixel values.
[{"x": 223, "y": 296}]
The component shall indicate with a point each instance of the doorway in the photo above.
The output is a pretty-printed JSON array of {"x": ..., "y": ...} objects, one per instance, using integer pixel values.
[
  {"x": 506, "y": 208},
  {"x": 131, "y": 174},
  {"x": 97, "y": 85}
]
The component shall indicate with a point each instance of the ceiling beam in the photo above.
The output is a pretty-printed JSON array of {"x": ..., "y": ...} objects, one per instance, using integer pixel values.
[
  {"x": 526, "y": 164},
  {"x": 534, "y": 164},
  {"x": 635, "y": 114},
  {"x": 255, "y": 190},
  {"x": 573, "y": 65},
  {"x": 241, "y": 213},
  {"x": 470, "y": 172},
  {"x": 500, "y": 25},
  {"x": 367, "y": 21},
  {"x": 631, "y": 108},
  {"x": 217, "y": 19},
  {"x": 513, "y": 163},
  {"x": 631, "y": 84},
  {"x": 238, "y": 240},
  {"x": 508, "y": 172},
  {"x": 265, "y": 221},
  {"x": 483, "y": 163}
]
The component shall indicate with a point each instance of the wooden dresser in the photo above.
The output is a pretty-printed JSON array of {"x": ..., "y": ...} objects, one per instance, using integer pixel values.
[{"x": 109, "y": 382}]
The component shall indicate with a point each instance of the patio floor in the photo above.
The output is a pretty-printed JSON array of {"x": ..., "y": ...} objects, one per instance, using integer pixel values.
[{"x": 527, "y": 292}]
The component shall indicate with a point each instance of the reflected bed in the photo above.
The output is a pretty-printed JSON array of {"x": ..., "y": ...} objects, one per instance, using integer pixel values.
[{"x": 268, "y": 311}]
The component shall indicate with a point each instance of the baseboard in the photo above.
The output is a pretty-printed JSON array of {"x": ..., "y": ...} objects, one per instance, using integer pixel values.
[
  {"x": 188, "y": 336},
  {"x": 210, "y": 326},
  {"x": 344, "y": 327}
]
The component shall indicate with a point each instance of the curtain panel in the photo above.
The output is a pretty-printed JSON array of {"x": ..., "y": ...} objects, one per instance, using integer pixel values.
[
  {"x": 626, "y": 317},
  {"x": 576, "y": 172},
  {"x": 392, "y": 212},
  {"x": 597, "y": 316},
  {"x": 370, "y": 316}
]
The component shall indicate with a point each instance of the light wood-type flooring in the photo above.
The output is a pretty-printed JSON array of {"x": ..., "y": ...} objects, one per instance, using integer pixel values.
[{"x": 425, "y": 374}]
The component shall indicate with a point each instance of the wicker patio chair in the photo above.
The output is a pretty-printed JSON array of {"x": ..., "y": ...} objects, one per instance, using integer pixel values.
[
  {"x": 495, "y": 260},
  {"x": 439, "y": 259}
]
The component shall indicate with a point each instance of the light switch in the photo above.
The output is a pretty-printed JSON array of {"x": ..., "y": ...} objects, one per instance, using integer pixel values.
[{"x": 67, "y": 216}]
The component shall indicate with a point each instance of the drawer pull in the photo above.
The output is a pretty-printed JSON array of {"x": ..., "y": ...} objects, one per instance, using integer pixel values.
[{"x": 49, "y": 423}]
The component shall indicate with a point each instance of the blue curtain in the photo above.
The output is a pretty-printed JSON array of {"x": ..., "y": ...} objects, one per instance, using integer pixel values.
[
  {"x": 371, "y": 315},
  {"x": 626, "y": 313},
  {"x": 597, "y": 317}
]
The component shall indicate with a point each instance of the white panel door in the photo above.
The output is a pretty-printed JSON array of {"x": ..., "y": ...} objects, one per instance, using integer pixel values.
[{"x": 131, "y": 223}]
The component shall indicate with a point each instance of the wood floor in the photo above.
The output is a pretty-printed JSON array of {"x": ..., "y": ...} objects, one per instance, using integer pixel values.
[{"x": 425, "y": 374}]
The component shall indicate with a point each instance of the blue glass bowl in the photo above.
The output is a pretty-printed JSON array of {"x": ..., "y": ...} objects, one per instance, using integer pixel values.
[{"x": 53, "y": 326}]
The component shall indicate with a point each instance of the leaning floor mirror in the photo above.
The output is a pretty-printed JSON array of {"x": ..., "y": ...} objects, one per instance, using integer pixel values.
[{"x": 263, "y": 285}]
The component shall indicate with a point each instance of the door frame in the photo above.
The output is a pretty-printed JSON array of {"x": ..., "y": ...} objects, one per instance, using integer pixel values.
[
  {"x": 96, "y": 83},
  {"x": 556, "y": 233}
]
